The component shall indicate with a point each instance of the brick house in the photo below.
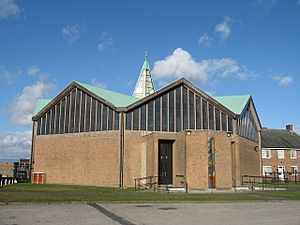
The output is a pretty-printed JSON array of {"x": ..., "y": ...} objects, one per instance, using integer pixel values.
[
  {"x": 92, "y": 136},
  {"x": 281, "y": 153}
]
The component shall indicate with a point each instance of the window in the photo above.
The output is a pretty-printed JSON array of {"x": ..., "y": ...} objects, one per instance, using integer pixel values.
[
  {"x": 143, "y": 117},
  {"x": 116, "y": 123},
  {"x": 224, "y": 122},
  {"x": 110, "y": 118},
  {"x": 171, "y": 111},
  {"x": 93, "y": 114},
  {"x": 266, "y": 154},
  {"x": 211, "y": 117},
  {"x": 294, "y": 170},
  {"x": 280, "y": 154},
  {"x": 128, "y": 121},
  {"x": 136, "y": 119},
  {"x": 293, "y": 154},
  {"x": 99, "y": 115},
  {"x": 204, "y": 114},
  {"x": 229, "y": 124},
  {"x": 198, "y": 112},
  {"x": 178, "y": 109},
  {"x": 150, "y": 115},
  {"x": 217, "y": 112},
  {"x": 164, "y": 112},
  {"x": 104, "y": 117},
  {"x": 267, "y": 170},
  {"x": 185, "y": 108},
  {"x": 157, "y": 114}
]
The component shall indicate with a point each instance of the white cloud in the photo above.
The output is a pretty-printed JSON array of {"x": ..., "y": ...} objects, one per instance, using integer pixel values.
[
  {"x": 71, "y": 33},
  {"x": 223, "y": 28},
  {"x": 105, "y": 41},
  {"x": 181, "y": 64},
  {"x": 15, "y": 145},
  {"x": 6, "y": 76},
  {"x": 9, "y": 9},
  {"x": 205, "y": 40},
  {"x": 24, "y": 103},
  {"x": 284, "y": 80},
  {"x": 98, "y": 83}
]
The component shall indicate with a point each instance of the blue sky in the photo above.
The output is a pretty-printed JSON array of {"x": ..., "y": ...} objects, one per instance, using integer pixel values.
[{"x": 224, "y": 47}]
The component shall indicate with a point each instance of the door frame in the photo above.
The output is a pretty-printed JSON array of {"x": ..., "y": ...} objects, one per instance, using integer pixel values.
[{"x": 171, "y": 142}]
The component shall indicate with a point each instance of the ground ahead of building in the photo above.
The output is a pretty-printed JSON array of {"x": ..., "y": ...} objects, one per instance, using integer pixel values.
[{"x": 68, "y": 193}]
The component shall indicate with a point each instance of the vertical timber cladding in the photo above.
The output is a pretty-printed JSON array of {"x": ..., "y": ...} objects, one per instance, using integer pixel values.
[
  {"x": 177, "y": 109},
  {"x": 77, "y": 112}
]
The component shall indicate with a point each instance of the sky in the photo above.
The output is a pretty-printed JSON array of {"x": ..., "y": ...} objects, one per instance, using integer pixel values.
[{"x": 223, "y": 47}]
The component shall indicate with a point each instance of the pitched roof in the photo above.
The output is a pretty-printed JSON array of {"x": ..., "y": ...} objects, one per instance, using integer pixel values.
[
  {"x": 41, "y": 103},
  {"x": 115, "y": 98},
  {"x": 279, "y": 138},
  {"x": 234, "y": 103}
]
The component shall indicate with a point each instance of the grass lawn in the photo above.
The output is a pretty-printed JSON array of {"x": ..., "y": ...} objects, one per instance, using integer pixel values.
[{"x": 70, "y": 193}]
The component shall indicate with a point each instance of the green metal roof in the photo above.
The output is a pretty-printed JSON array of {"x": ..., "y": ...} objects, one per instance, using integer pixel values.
[
  {"x": 115, "y": 98},
  {"x": 236, "y": 104},
  {"x": 279, "y": 138},
  {"x": 41, "y": 103}
]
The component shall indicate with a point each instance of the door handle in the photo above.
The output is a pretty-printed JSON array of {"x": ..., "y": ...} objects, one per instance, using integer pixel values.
[{"x": 164, "y": 174}]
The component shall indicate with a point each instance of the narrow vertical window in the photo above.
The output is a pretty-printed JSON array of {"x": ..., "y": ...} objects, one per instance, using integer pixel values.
[
  {"x": 88, "y": 114},
  {"x": 178, "y": 109},
  {"x": 185, "y": 108},
  {"x": 110, "y": 119},
  {"x": 218, "y": 126},
  {"x": 82, "y": 112},
  {"x": 164, "y": 111},
  {"x": 72, "y": 113},
  {"x": 204, "y": 114},
  {"x": 57, "y": 118},
  {"x": 104, "y": 118},
  {"x": 198, "y": 112},
  {"x": 99, "y": 116},
  {"x": 116, "y": 122},
  {"x": 192, "y": 110},
  {"x": 211, "y": 117},
  {"x": 128, "y": 120},
  {"x": 93, "y": 115},
  {"x": 62, "y": 118},
  {"x": 47, "y": 123},
  {"x": 224, "y": 122},
  {"x": 136, "y": 119},
  {"x": 157, "y": 114},
  {"x": 43, "y": 125},
  {"x": 39, "y": 127},
  {"x": 52, "y": 122},
  {"x": 77, "y": 111},
  {"x": 171, "y": 111},
  {"x": 150, "y": 116},
  {"x": 67, "y": 114},
  {"x": 143, "y": 117},
  {"x": 229, "y": 124}
]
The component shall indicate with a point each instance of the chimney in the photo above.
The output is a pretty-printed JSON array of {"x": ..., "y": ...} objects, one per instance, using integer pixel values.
[{"x": 289, "y": 127}]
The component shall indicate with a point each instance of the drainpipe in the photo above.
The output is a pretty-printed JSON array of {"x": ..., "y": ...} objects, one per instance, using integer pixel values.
[
  {"x": 260, "y": 153},
  {"x": 121, "y": 177},
  {"x": 31, "y": 154}
]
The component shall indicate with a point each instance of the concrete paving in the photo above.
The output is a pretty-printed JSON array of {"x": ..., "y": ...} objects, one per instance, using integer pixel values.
[{"x": 245, "y": 213}]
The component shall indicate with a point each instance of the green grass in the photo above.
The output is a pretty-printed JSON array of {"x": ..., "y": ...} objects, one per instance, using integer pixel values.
[{"x": 71, "y": 193}]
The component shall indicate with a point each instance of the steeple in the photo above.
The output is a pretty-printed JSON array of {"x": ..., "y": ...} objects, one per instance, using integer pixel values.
[{"x": 144, "y": 85}]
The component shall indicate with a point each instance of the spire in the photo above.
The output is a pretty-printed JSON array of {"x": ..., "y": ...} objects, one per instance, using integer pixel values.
[{"x": 144, "y": 85}]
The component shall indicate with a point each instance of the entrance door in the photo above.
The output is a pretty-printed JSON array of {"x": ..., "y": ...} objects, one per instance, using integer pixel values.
[
  {"x": 280, "y": 172},
  {"x": 165, "y": 167}
]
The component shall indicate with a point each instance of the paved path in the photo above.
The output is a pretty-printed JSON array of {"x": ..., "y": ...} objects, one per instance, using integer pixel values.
[{"x": 261, "y": 213}]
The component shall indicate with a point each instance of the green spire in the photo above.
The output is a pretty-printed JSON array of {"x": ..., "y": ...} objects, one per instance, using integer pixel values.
[{"x": 144, "y": 86}]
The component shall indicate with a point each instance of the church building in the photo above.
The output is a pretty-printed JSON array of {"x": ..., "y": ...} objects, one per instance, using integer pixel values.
[{"x": 88, "y": 135}]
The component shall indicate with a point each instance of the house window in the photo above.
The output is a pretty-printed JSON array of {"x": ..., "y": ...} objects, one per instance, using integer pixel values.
[
  {"x": 293, "y": 154},
  {"x": 294, "y": 170},
  {"x": 280, "y": 154},
  {"x": 266, "y": 154},
  {"x": 267, "y": 170}
]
